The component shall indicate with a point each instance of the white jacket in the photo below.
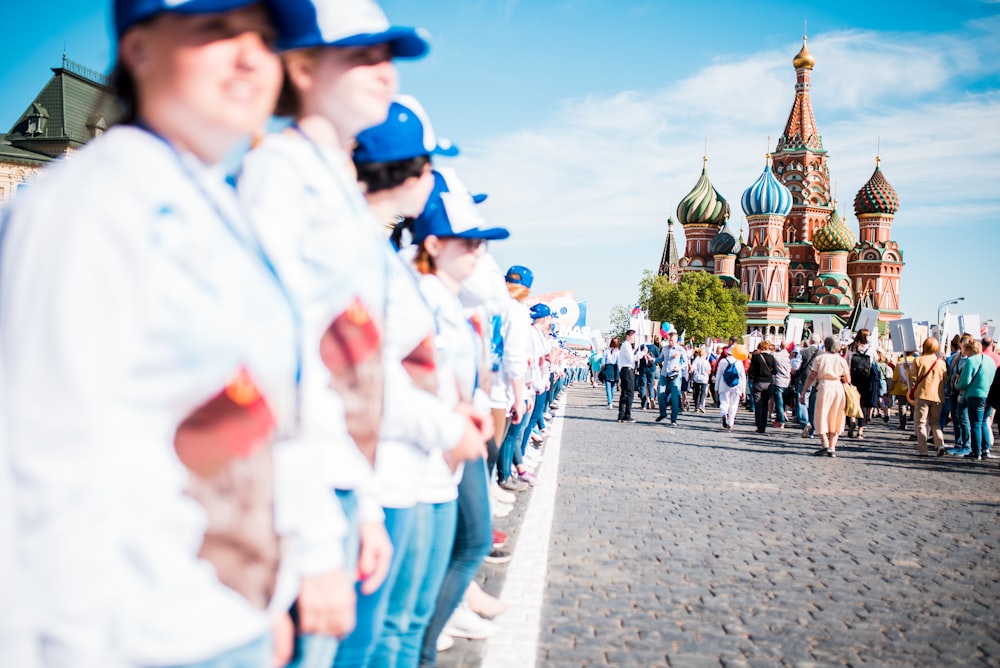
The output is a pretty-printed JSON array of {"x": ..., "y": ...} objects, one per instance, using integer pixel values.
[{"x": 120, "y": 317}]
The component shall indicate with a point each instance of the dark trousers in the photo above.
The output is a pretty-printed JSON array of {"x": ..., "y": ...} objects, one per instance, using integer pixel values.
[
  {"x": 627, "y": 393},
  {"x": 761, "y": 405}
]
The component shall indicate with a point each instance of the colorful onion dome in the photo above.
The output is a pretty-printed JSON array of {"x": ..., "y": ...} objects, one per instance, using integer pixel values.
[
  {"x": 703, "y": 206},
  {"x": 767, "y": 195},
  {"x": 803, "y": 58},
  {"x": 834, "y": 236},
  {"x": 724, "y": 243},
  {"x": 876, "y": 196}
]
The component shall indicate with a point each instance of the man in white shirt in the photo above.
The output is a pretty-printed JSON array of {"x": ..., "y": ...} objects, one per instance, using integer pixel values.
[{"x": 626, "y": 366}]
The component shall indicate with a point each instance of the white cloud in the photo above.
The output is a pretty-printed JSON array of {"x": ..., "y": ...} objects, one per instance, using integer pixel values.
[{"x": 604, "y": 174}]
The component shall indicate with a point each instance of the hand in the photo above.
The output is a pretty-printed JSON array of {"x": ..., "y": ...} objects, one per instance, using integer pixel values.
[
  {"x": 327, "y": 604},
  {"x": 469, "y": 447},
  {"x": 374, "y": 557},
  {"x": 283, "y": 632},
  {"x": 517, "y": 412},
  {"x": 802, "y": 397}
]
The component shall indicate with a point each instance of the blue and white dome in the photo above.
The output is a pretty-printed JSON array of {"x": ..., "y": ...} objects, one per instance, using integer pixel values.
[{"x": 767, "y": 196}]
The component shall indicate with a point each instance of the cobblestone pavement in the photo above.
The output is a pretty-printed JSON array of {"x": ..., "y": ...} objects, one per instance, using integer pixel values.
[{"x": 689, "y": 546}]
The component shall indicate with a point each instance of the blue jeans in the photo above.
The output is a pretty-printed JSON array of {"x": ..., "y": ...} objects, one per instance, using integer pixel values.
[
  {"x": 415, "y": 591},
  {"x": 960, "y": 420},
  {"x": 978, "y": 438},
  {"x": 510, "y": 449},
  {"x": 778, "y": 395},
  {"x": 473, "y": 541},
  {"x": 318, "y": 651},
  {"x": 252, "y": 655},
  {"x": 671, "y": 394},
  {"x": 357, "y": 648},
  {"x": 647, "y": 385},
  {"x": 535, "y": 419},
  {"x": 801, "y": 410},
  {"x": 609, "y": 390}
]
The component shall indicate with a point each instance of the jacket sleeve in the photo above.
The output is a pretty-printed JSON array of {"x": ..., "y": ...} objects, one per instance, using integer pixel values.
[
  {"x": 517, "y": 342},
  {"x": 72, "y": 291}
]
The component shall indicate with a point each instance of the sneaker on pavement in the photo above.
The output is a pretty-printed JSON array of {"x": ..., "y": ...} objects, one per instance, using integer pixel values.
[
  {"x": 497, "y": 557},
  {"x": 528, "y": 477},
  {"x": 464, "y": 623},
  {"x": 444, "y": 642},
  {"x": 512, "y": 484},
  {"x": 499, "y": 538},
  {"x": 502, "y": 495},
  {"x": 482, "y": 602},
  {"x": 546, "y": 415},
  {"x": 501, "y": 510}
]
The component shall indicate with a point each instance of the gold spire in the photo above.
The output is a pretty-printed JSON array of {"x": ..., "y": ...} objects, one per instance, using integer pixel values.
[{"x": 803, "y": 59}]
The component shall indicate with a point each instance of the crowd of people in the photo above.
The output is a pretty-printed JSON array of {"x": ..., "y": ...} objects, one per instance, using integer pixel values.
[
  {"x": 812, "y": 384},
  {"x": 264, "y": 416}
]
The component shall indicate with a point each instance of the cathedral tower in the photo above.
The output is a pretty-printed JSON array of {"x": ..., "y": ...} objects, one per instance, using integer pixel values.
[
  {"x": 875, "y": 264},
  {"x": 702, "y": 212},
  {"x": 764, "y": 260},
  {"x": 800, "y": 164}
]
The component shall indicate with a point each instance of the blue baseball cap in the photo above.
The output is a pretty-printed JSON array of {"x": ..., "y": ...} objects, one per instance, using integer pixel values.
[
  {"x": 540, "y": 310},
  {"x": 130, "y": 12},
  {"x": 307, "y": 23},
  {"x": 451, "y": 212},
  {"x": 520, "y": 275},
  {"x": 405, "y": 134},
  {"x": 479, "y": 198}
]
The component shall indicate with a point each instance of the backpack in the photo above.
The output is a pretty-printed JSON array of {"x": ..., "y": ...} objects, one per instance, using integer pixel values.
[
  {"x": 731, "y": 375},
  {"x": 861, "y": 365}
]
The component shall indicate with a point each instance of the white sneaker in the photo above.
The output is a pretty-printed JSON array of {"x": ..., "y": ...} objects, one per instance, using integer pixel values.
[
  {"x": 483, "y": 603},
  {"x": 445, "y": 642},
  {"x": 502, "y": 510},
  {"x": 464, "y": 623},
  {"x": 502, "y": 495}
]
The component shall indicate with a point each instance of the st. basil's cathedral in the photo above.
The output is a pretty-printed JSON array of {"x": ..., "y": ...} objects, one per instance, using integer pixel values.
[{"x": 799, "y": 257}]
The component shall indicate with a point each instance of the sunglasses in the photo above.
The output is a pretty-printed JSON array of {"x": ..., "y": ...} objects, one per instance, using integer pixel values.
[{"x": 469, "y": 244}]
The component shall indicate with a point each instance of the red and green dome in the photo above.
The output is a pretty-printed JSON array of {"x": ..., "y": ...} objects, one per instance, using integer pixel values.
[
  {"x": 834, "y": 236},
  {"x": 876, "y": 196}
]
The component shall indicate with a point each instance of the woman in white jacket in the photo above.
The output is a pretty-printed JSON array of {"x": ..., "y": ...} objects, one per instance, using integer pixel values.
[
  {"x": 730, "y": 395},
  {"x": 449, "y": 235},
  {"x": 151, "y": 365}
]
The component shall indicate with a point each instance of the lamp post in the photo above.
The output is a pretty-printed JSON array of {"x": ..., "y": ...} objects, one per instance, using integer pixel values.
[{"x": 940, "y": 306}]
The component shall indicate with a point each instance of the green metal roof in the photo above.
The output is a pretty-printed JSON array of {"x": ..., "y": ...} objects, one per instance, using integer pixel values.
[
  {"x": 63, "y": 115},
  {"x": 10, "y": 153}
]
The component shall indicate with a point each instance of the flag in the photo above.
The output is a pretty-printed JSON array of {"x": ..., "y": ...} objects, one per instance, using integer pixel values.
[
  {"x": 681, "y": 340},
  {"x": 636, "y": 310}
]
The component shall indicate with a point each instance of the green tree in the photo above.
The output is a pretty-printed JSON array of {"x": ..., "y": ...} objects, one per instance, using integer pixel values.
[
  {"x": 699, "y": 304},
  {"x": 618, "y": 321}
]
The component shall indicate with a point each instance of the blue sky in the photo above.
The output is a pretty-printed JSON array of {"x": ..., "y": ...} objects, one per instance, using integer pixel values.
[{"x": 586, "y": 120}]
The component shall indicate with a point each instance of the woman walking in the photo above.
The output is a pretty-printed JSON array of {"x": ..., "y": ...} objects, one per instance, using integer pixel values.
[
  {"x": 928, "y": 392},
  {"x": 860, "y": 359},
  {"x": 829, "y": 373},
  {"x": 762, "y": 370},
  {"x": 974, "y": 384}
]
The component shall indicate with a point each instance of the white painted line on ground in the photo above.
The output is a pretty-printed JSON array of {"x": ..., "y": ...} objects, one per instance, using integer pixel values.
[{"x": 515, "y": 643}]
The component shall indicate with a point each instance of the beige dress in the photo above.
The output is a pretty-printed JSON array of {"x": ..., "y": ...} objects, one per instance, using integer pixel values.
[{"x": 830, "y": 402}]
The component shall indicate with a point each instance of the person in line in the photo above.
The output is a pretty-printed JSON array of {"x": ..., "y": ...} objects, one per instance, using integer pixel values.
[
  {"x": 761, "y": 375},
  {"x": 449, "y": 237},
  {"x": 928, "y": 393},
  {"x": 626, "y": 375},
  {"x": 700, "y": 370},
  {"x": 989, "y": 351},
  {"x": 673, "y": 360},
  {"x": 900, "y": 386},
  {"x": 610, "y": 369},
  {"x": 974, "y": 385},
  {"x": 829, "y": 373},
  {"x": 154, "y": 514}
]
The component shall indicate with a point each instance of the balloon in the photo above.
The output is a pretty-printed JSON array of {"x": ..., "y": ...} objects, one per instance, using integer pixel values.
[
  {"x": 665, "y": 328},
  {"x": 739, "y": 351}
]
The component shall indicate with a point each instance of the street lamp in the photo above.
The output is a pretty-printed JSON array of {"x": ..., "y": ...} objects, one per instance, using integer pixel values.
[{"x": 941, "y": 306}]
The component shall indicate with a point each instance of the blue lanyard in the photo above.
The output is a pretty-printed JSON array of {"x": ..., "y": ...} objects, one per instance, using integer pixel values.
[{"x": 245, "y": 236}]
